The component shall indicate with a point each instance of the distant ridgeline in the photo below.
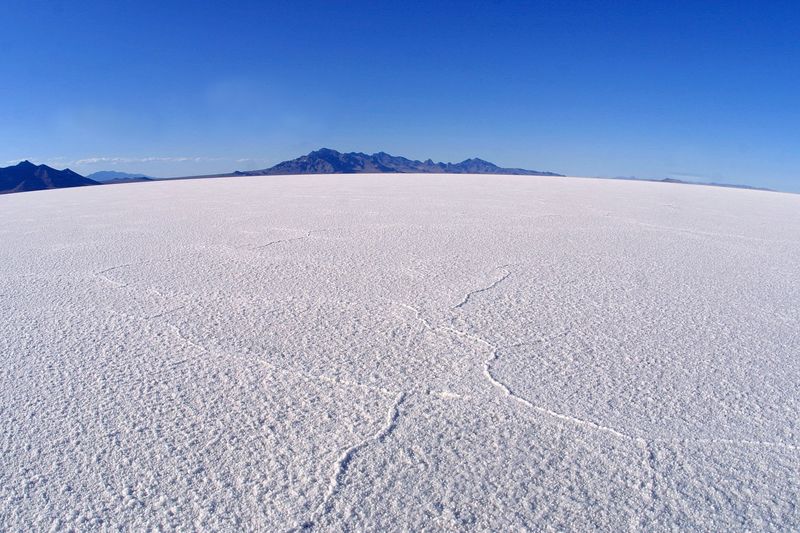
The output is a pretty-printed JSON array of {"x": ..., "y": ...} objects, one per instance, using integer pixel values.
[
  {"x": 327, "y": 161},
  {"x": 112, "y": 176},
  {"x": 26, "y": 176}
]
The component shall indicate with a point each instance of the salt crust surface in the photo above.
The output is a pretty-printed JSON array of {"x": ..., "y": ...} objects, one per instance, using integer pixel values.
[{"x": 400, "y": 352}]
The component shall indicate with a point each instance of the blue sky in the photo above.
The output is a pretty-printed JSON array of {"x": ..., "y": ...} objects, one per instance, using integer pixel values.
[{"x": 697, "y": 90}]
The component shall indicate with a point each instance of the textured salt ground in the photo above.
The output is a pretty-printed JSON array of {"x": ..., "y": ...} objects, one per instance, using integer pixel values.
[{"x": 400, "y": 352}]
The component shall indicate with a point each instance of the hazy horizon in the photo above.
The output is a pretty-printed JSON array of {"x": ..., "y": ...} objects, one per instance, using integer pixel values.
[{"x": 684, "y": 178}]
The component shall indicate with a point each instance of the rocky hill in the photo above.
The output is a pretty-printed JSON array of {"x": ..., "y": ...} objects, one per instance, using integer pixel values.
[
  {"x": 327, "y": 161},
  {"x": 26, "y": 176}
]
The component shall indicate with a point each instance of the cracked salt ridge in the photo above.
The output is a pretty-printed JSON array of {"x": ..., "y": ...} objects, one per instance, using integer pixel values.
[
  {"x": 489, "y": 287},
  {"x": 494, "y": 355},
  {"x": 487, "y": 372},
  {"x": 306, "y": 236},
  {"x": 322, "y": 377},
  {"x": 346, "y": 457},
  {"x": 503, "y": 387},
  {"x": 102, "y": 275},
  {"x": 164, "y": 313},
  {"x": 645, "y": 444},
  {"x": 309, "y": 233},
  {"x": 341, "y": 466},
  {"x": 648, "y": 487},
  {"x": 308, "y": 378}
]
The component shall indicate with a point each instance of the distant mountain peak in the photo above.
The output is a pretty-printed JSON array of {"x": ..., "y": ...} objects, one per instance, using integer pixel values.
[
  {"x": 323, "y": 152},
  {"x": 26, "y": 176},
  {"x": 329, "y": 161}
]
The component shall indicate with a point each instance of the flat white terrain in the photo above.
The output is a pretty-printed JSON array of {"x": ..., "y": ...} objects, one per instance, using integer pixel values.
[{"x": 400, "y": 352}]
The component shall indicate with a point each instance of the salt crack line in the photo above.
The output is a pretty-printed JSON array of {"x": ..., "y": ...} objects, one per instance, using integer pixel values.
[
  {"x": 506, "y": 390},
  {"x": 448, "y": 395},
  {"x": 646, "y": 445},
  {"x": 165, "y": 312},
  {"x": 306, "y": 236},
  {"x": 342, "y": 464},
  {"x": 186, "y": 339},
  {"x": 648, "y": 487},
  {"x": 487, "y": 373},
  {"x": 308, "y": 378},
  {"x": 418, "y": 314},
  {"x": 102, "y": 275},
  {"x": 489, "y": 287},
  {"x": 114, "y": 268},
  {"x": 641, "y": 442},
  {"x": 649, "y": 465}
]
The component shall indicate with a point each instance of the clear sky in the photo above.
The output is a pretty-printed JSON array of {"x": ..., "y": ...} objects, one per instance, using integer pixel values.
[{"x": 707, "y": 91}]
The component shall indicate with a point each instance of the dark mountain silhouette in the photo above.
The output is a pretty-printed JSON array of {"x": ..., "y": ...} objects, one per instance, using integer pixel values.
[
  {"x": 26, "y": 176},
  {"x": 112, "y": 176},
  {"x": 327, "y": 161}
]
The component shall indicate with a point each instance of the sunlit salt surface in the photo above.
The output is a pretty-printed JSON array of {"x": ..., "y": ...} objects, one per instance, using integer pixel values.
[{"x": 400, "y": 352}]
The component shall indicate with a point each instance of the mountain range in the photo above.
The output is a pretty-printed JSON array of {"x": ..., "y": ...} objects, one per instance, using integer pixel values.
[
  {"x": 26, "y": 176},
  {"x": 327, "y": 161},
  {"x": 112, "y": 176}
]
